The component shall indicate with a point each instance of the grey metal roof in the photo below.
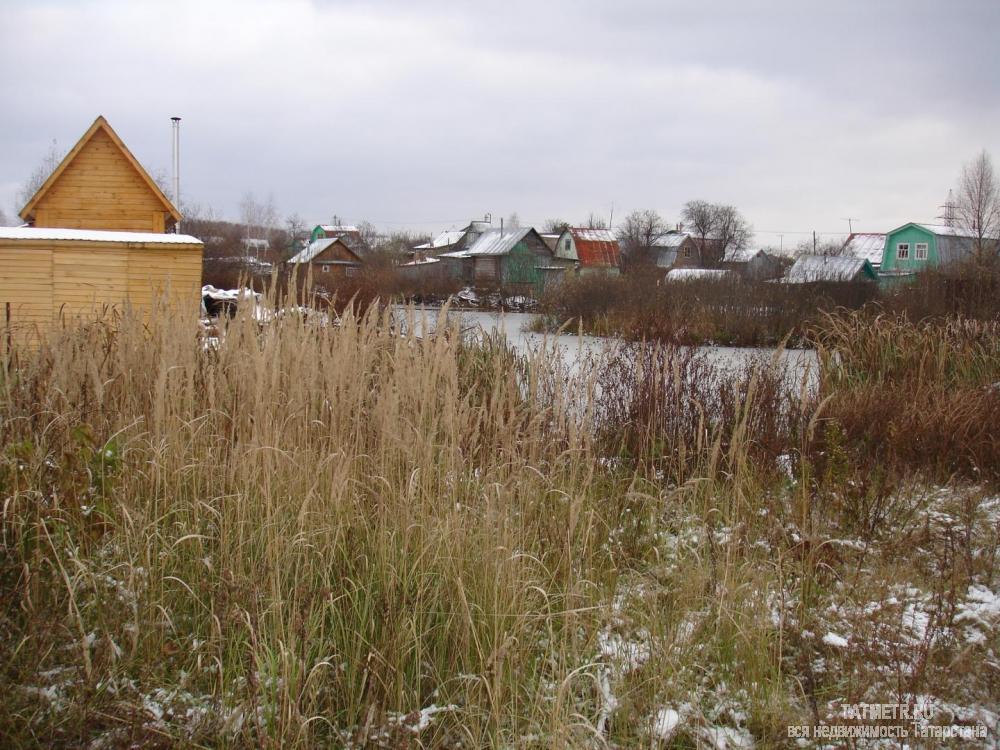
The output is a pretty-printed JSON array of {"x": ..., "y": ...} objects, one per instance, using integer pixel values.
[
  {"x": 671, "y": 239},
  {"x": 867, "y": 245},
  {"x": 313, "y": 249},
  {"x": 808, "y": 268},
  {"x": 493, "y": 242}
]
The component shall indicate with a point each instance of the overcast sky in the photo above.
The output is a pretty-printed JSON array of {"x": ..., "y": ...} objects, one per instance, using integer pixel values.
[{"x": 424, "y": 115}]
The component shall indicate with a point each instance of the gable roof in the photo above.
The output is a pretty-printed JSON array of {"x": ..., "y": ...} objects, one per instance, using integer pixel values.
[
  {"x": 809, "y": 268},
  {"x": 940, "y": 230},
  {"x": 867, "y": 245},
  {"x": 495, "y": 242},
  {"x": 595, "y": 248},
  {"x": 314, "y": 248},
  {"x": 100, "y": 124}
]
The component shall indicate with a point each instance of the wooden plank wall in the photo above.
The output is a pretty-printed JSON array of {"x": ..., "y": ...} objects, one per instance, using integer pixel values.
[
  {"x": 26, "y": 284},
  {"x": 85, "y": 281},
  {"x": 63, "y": 283},
  {"x": 151, "y": 273},
  {"x": 100, "y": 189}
]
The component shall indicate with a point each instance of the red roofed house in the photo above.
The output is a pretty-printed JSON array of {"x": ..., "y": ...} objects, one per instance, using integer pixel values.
[{"x": 593, "y": 250}]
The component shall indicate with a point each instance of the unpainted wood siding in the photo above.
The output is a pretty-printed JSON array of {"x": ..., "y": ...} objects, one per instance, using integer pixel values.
[
  {"x": 173, "y": 276},
  {"x": 100, "y": 189},
  {"x": 25, "y": 291},
  {"x": 61, "y": 282}
]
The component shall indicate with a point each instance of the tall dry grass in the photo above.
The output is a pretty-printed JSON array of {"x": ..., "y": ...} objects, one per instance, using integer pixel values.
[
  {"x": 913, "y": 396},
  {"x": 310, "y": 535},
  {"x": 731, "y": 312}
]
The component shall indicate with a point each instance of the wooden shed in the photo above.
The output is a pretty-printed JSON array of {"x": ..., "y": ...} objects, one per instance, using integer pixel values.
[{"x": 95, "y": 237}]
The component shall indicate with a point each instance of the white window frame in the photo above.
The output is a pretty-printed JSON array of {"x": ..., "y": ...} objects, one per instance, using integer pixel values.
[
  {"x": 902, "y": 251},
  {"x": 326, "y": 268},
  {"x": 921, "y": 250}
]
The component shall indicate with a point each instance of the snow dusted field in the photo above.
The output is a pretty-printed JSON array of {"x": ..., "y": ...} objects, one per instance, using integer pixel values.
[{"x": 308, "y": 535}]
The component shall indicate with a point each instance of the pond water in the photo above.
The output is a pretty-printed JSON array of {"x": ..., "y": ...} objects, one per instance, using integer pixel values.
[{"x": 798, "y": 363}]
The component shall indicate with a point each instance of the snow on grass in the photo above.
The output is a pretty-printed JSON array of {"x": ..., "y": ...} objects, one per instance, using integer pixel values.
[
  {"x": 665, "y": 723},
  {"x": 979, "y": 613},
  {"x": 835, "y": 640}
]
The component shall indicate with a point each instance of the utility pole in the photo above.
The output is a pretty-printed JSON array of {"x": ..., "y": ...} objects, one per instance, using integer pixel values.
[
  {"x": 814, "y": 242},
  {"x": 850, "y": 224}
]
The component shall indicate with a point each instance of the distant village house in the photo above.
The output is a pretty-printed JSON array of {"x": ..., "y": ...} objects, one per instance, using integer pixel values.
[{"x": 588, "y": 250}]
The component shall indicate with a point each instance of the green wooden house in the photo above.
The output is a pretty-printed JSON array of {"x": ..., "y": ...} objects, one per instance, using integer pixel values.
[
  {"x": 516, "y": 261},
  {"x": 916, "y": 247}
]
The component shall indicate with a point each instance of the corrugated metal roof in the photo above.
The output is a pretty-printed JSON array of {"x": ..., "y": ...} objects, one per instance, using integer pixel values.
[
  {"x": 94, "y": 235},
  {"x": 867, "y": 245},
  {"x": 493, "y": 242},
  {"x": 809, "y": 268},
  {"x": 595, "y": 248}
]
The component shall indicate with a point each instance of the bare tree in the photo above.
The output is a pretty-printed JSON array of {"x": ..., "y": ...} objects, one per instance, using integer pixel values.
[
  {"x": 977, "y": 207},
  {"x": 41, "y": 173},
  {"x": 638, "y": 232},
  {"x": 514, "y": 221},
  {"x": 554, "y": 226},
  {"x": 369, "y": 233},
  {"x": 832, "y": 247},
  {"x": 718, "y": 228},
  {"x": 3, "y": 219},
  {"x": 596, "y": 222},
  {"x": 259, "y": 219}
]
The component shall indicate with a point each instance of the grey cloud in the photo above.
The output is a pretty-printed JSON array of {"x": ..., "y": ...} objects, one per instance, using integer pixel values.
[{"x": 421, "y": 113}]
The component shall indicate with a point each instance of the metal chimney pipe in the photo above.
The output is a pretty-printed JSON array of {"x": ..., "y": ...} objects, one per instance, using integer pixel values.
[{"x": 177, "y": 166}]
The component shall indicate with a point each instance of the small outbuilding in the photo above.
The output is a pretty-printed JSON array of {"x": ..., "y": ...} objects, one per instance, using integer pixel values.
[
  {"x": 752, "y": 264},
  {"x": 809, "y": 269},
  {"x": 95, "y": 237}
]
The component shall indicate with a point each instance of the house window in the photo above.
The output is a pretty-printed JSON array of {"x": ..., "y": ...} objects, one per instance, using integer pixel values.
[
  {"x": 326, "y": 268},
  {"x": 687, "y": 252},
  {"x": 566, "y": 244},
  {"x": 903, "y": 251},
  {"x": 351, "y": 271},
  {"x": 920, "y": 251}
]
